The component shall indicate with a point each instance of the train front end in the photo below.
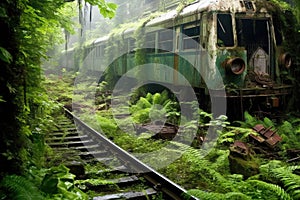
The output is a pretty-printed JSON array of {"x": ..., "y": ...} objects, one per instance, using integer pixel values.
[{"x": 250, "y": 56}]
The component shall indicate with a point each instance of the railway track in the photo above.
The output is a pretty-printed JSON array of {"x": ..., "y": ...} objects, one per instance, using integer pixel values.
[{"x": 79, "y": 146}]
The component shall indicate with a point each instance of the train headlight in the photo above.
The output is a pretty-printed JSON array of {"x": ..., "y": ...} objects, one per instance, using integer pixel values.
[
  {"x": 235, "y": 65},
  {"x": 285, "y": 60}
]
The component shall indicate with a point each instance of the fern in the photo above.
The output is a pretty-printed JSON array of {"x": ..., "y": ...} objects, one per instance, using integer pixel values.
[
  {"x": 235, "y": 133},
  {"x": 107, "y": 125},
  {"x": 204, "y": 117},
  {"x": 236, "y": 196},
  {"x": 203, "y": 168},
  {"x": 249, "y": 121},
  {"x": 271, "y": 187},
  {"x": 20, "y": 188},
  {"x": 206, "y": 195},
  {"x": 218, "y": 196},
  {"x": 290, "y": 180},
  {"x": 164, "y": 97},
  {"x": 290, "y": 134},
  {"x": 141, "y": 116},
  {"x": 147, "y": 108},
  {"x": 149, "y": 97},
  {"x": 156, "y": 98},
  {"x": 268, "y": 122},
  {"x": 144, "y": 103},
  {"x": 226, "y": 137}
]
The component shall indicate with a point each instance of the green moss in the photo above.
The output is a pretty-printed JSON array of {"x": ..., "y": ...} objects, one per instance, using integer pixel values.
[{"x": 246, "y": 167}]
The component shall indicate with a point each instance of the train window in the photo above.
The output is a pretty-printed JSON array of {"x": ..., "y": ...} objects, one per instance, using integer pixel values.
[
  {"x": 224, "y": 30},
  {"x": 191, "y": 36},
  {"x": 252, "y": 34},
  {"x": 165, "y": 40},
  {"x": 150, "y": 42}
]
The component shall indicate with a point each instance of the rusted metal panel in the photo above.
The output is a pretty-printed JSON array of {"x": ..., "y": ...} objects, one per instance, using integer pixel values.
[
  {"x": 272, "y": 141},
  {"x": 266, "y": 135},
  {"x": 258, "y": 128},
  {"x": 269, "y": 134}
]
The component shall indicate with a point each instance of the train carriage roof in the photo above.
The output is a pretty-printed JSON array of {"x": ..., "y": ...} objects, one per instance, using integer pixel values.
[
  {"x": 207, "y": 5},
  {"x": 198, "y": 7},
  {"x": 100, "y": 40},
  {"x": 220, "y": 5}
]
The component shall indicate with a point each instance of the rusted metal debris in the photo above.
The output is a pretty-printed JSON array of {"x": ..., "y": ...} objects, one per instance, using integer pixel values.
[
  {"x": 165, "y": 131},
  {"x": 240, "y": 148},
  {"x": 266, "y": 136}
]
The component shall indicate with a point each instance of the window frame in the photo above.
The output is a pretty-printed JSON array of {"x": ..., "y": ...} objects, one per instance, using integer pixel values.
[
  {"x": 167, "y": 40},
  {"x": 220, "y": 25},
  {"x": 186, "y": 37}
]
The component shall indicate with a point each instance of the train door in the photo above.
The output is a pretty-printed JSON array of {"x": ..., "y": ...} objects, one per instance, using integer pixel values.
[{"x": 254, "y": 35}]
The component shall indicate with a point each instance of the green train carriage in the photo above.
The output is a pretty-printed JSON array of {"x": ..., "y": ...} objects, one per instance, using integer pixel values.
[{"x": 236, "y": 44}]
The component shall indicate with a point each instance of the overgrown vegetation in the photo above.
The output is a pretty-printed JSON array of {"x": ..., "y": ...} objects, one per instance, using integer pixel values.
[
  {"x": 264, "y": 174},
  {"x": 30, "y": 29}
]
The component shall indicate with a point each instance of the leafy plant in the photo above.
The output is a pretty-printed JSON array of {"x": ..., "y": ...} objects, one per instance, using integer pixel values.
[
  {"x": 156, "y": 106},
  {"x": 218, "y": 196},
  {"x": 18, "y": 187},
  {"x": 290, "y": 180},
  {"x": 232, "y": 133},
  {"x": 271, "y": 187},
  {"x": 290, "y": 132},
  {"x": 5, "y": 55},
  {"x": 59, "y": 183}
]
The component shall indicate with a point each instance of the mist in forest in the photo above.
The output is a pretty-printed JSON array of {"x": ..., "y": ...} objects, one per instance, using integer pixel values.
[{"x": 94, "y": 25}]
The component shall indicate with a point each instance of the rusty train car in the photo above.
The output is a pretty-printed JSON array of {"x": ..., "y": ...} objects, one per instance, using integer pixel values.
[{"x": 236, "y": 46}]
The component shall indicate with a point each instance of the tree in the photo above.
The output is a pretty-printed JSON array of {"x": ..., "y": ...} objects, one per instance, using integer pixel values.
[{"x": 28, "y": 29}]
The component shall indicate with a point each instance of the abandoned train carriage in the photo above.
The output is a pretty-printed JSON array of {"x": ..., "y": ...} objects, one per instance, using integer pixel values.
[{"x": 240, "y": 39}]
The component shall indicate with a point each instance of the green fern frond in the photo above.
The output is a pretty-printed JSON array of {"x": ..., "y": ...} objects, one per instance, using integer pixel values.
[
  {"x": 20, "y": 188},
  {"x": 164, "y": 97},
  {"x": 249, "y": 121},
  {"x": 272, "y": 187},
  {"x": 206, "y": 195},
  {"x": 157, "y": 98},
  {"x": 268, "y": 122},
  {"x": 218, "y": 196},
  {"x": 236, "y": 196},
  {"x": 291, "y": 181},
  {"x": 235, "y": 133},
  {"x": 144, "y": 103},
  {"x": 149, "y": 97},
  {"x": 295, "y": 121}
]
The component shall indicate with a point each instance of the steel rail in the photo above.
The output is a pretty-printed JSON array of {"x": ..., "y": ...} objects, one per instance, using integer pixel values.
[{"x": 160, "y": 182}]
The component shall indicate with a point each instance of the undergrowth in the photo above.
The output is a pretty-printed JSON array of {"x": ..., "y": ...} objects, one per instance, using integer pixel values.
[{"x": 206, "y": 174}]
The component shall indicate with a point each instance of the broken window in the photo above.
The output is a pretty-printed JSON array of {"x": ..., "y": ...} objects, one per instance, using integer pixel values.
[
  {"x": 224, "y": 30},
  {"x": 191, "y": 36}
]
